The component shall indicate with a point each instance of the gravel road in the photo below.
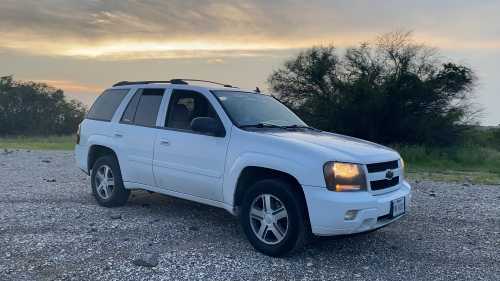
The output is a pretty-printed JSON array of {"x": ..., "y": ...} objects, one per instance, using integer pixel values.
[{"x": 52, "y": 229}]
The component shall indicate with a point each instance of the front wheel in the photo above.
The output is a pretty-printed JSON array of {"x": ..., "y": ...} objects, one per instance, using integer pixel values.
[
  {"x": 273, "y": 217},
  {"x": 107, "y": 184}
]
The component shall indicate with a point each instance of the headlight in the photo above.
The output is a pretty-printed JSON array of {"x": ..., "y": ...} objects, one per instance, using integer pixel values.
[{"x": 344, "y": 176}]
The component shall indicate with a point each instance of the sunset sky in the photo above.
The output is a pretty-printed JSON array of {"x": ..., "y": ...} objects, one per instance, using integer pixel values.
[{"x": 84, "y": 46}]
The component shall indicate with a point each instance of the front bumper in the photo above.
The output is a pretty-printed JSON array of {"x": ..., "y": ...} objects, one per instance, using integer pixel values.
[{"x": 327, "y": 209}]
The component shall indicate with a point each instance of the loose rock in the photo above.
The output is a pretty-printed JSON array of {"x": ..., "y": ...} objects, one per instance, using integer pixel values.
[{"x": 147, "y": 260}]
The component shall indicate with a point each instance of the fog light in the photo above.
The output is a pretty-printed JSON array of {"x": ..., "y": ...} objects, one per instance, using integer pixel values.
[{"x": 350, "y": 215}]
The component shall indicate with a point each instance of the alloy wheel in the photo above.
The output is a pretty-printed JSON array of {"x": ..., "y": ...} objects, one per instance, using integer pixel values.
[{"x": 269, "y": 219}]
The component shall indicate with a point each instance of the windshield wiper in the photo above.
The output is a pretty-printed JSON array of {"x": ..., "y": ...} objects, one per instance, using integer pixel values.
[
  {"x": 262, "y": 125},
  {"x": 269, "y": 125},
  {"x": 300, "y": 127}
]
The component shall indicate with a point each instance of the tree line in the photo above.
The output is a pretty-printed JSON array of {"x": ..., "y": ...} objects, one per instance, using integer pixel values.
[
  {"x": 30, "y": 108},
  {"x": 390, "y": 91}
]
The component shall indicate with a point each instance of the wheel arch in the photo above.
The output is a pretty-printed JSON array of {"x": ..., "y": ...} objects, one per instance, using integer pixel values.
[
  {"x": 96, "y": 151},
  {"x": 251, "y": 174}
]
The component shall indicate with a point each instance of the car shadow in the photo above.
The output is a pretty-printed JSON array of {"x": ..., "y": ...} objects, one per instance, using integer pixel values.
[{"x": 208, "y": 220}]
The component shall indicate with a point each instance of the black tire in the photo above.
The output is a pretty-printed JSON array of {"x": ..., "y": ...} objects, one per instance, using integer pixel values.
[
  {"x": 298, "y": 229},
  {"x": 118, "y": 195}
]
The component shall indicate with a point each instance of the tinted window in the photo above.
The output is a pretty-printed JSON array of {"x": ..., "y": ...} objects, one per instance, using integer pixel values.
[
  {"x": 129, "y": 114},
  {"x": 106, "y": 104},
  {"x": 148, "y": 106},
  {"x": 184, "y": 106}
]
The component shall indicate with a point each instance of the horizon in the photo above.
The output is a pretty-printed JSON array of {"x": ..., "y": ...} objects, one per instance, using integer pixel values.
[{"x": 84, "y": 47}]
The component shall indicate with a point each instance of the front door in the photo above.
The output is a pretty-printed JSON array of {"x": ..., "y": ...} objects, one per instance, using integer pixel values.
[{"x": 186, "y": 161}]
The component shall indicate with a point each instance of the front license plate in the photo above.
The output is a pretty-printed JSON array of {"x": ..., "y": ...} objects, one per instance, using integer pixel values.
[{"x": 398, "y": 207}]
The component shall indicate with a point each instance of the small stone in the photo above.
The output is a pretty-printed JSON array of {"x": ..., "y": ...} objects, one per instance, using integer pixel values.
[
  {"x": 45, "y": 161},
  {"x": 466, "y": 184},
  {"x": 432, "y": 194},
  {"x": 147, "y": 260},
  {"x": 115, "y": 216},
  {"x": 309, "y": 264},
  {"x": 50, "y": 180},
  {"x": 193, "y": 228}
]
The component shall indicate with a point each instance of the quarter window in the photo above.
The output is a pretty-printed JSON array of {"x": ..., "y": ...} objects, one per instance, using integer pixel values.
[{"x": 106, "y": 104}]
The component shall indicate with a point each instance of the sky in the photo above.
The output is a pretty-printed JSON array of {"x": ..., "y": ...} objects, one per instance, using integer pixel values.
[{"x": 84, "y": 46}]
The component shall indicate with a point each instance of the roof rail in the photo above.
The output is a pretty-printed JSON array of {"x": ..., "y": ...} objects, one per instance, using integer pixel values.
[
  {"x": 206, "y": 81},
  {"x": 125, "y": 83},
  {"x": 176, "y": 81}
]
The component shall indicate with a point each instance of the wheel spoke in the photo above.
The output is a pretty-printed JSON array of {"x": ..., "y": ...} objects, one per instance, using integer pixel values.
[
  {"x": 266, "y": 203},
  {"x": 110, "y": 182},
  {"x": 106, "y": 172},
  {"x": 262, "y": 231},
  {"x": 100, "y": 187},
  {"x": 100, "y": 175},
  {"x": 277, "y": 232},
  {"x": 257, "y": 214},
  {"x": 106, "y": 191},
  {"x": 280, "y": 213}
]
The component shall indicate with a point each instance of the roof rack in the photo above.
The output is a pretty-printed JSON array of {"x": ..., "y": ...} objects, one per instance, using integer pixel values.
[{"x": 176, "y": 81}]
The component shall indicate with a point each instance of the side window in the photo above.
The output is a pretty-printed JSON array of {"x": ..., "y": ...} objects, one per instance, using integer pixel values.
[
  {"x": 186, "y": 105},
  {"x": 129, "y": 114},
  {"x": 143, "y": 108},
  {"x": 106, "y": 104}
]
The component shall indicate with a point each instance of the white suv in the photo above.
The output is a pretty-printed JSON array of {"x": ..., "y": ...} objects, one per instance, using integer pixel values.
[{"x": 242, "y": 151}]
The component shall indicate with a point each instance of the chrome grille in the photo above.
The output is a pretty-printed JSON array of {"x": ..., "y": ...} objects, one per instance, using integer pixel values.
[{"x": 379, "y": 176}]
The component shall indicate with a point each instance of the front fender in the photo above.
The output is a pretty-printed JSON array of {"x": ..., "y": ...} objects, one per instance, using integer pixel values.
[{"x": 304, "y": 175}]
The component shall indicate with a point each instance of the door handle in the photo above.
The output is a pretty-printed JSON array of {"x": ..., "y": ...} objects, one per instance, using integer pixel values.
[
  {"x": 165, "y": 142},
  {"x": 118, "y": 134}
]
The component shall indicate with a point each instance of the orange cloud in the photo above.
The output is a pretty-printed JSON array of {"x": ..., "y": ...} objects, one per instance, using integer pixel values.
[{"x": 69, "y": 86}]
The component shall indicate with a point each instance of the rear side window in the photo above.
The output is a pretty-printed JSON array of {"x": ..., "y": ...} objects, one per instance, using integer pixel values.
[
  {"x": 143, "y": 108},
  {"x": 106, "y": 104}
]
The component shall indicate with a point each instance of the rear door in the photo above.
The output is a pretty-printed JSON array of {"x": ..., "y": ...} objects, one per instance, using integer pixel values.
[
  {"x": 136, "y": 133},
  {"x": 186, "y": 161}
]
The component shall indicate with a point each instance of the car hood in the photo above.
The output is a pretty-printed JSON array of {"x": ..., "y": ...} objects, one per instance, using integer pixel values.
[{"x": 342, "y": 148}]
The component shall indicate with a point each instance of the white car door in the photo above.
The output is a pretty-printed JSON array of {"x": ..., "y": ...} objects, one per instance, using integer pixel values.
[
  {"x": 186, "y": 161},
  {"x": 135, "y": 135}
]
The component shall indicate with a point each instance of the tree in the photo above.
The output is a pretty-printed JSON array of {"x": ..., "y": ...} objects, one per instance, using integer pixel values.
[
  {"x": 391, "y": 91},
  {"x": 31, "y": 108}
]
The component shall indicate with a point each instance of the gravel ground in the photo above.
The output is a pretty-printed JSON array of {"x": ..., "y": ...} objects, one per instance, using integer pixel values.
[{"x": 52, "y": 229}]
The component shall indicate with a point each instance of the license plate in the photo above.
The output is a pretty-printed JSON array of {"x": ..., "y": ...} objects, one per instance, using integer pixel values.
[{"x": 398, "y": 207}]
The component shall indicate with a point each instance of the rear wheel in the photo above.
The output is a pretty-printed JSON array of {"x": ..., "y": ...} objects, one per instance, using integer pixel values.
[
  {"x": 273, "y": 217},
  {"x": 107, "y": 184}
]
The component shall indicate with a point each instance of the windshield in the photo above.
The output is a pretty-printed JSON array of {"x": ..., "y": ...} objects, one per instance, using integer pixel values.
[{"x": 248, "y": 109}]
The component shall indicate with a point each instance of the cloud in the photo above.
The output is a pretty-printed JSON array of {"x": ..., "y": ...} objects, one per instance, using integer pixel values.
[
  {"x": 72, "y": 86},
  {"x": 205, "y": 29}
]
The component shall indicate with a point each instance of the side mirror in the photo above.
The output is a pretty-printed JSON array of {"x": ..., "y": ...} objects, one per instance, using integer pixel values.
[{"x": 208, "y": 125}]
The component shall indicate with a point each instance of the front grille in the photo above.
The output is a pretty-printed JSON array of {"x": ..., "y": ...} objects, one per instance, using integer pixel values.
[
  {"x": 385, "y": 183},
  {"x": 383, "y": 166}
]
